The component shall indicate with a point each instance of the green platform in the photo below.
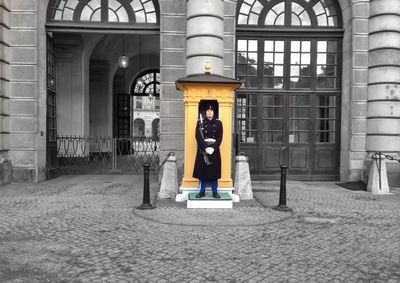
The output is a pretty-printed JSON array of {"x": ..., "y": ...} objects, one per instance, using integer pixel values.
[{"x": 224, "y": 196}]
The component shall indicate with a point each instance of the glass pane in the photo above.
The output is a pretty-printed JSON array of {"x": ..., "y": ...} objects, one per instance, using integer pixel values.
[
  {"x": 253, "y": 45},
  {"x": 269, "y": 58},
  {"x": 270, "y": 18},
  {"x": 295, "y": 46},
  {"x": 252, "y": 58},
  {"x": 305, "y": 46},
  {"x": 152, "y": 18},
  {"x": 305, "y": 19},
  {"x": 279, "y": 46},
  {"x": 280, "y": 21},
  {"x": 140, "y": 17},
  {"x": 277, "y": 137},
  {"x": 136, "y": 5},
  {"x": 319, "y": 9},
  {"x": 112, "y": 16},
  {"x": 278, "y": 71},
  {"x": 322, "y": 46},
  {"x": 296, "y": 8},
  {"x": 242, "y": 45},
  {"x": 295, "y": 58},
  {"x": 305, "y": 58},
  {"x": 295, "y": 20},
  {"x": 113, "y": 4},
  {"x": 257, "y": 7},
  {"x": 294, "y": 70},
  {"x": 268, "y": 45},
  {"x": 278, "y": 58},
  {"x": 68, "y": 15},
  {"x": 321, "y": 58},
  {"x": 279, "y": 8},
  {"x": 149, "y": 7},
  {"x": 245, "y": 9},
  {"x": 253, "y": 19},
  {"x": 278, "y": 82},
  {"x": 322, "y": 21},
  {"x": 332, "y": 46},
  {"x": 96, "y": 17},
  {"x": 72, "y": 4},
  {"x": 242, "y": 20}
]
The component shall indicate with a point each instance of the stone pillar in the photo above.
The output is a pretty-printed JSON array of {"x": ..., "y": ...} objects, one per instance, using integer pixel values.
[
  {"x": 205, "y": 36},
  {"x": 383, "y": 126},
  {"x": 169, "y": 181},
  {"x": 243, "y": 186},
  {"x": 4, "y": 77}
]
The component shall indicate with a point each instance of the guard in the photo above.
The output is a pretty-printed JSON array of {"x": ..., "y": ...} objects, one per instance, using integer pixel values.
[{"x": 207, "y": 167}]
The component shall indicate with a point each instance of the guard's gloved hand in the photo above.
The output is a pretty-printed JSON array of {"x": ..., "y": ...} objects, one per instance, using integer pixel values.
[{"x": 209, "y": 150}]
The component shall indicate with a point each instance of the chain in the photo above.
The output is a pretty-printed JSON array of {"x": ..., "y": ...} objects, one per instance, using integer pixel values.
[{"x": 388, "y": 157}]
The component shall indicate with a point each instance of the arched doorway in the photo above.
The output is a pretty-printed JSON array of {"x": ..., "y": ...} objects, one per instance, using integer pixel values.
[
  {"x": 89, "y": 38},
  {"x": 289, "y": 57},
  {"x": 138, "y": 128}
]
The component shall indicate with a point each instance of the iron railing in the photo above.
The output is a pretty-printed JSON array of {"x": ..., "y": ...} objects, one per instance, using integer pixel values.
[{"x": 80, "y": 155}]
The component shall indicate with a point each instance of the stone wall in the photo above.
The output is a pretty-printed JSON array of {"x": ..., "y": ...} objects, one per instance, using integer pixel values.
[{"x": 23, "y": 90}]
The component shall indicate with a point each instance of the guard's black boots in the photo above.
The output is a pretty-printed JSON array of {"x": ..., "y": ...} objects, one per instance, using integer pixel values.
[
  {"x": 216, "y": 195},
  {"x": 200, "y": 195}
]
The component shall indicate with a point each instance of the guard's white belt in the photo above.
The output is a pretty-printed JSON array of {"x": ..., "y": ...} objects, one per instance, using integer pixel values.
[{"x": 210, "y": 140}]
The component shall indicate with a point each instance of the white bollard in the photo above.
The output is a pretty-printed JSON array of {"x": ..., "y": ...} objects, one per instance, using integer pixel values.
[
  {"x": 169, "y": 181},
  {"x": 243, "y": 186},
  {"x": 378, "y": 184}
]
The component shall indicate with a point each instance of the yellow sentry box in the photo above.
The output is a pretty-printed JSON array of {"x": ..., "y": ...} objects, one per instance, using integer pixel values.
[{"x": 198, "y": 88}]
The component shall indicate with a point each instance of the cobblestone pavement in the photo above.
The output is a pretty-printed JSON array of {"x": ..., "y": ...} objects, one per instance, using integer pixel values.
[{"x": 86, "y": 229}]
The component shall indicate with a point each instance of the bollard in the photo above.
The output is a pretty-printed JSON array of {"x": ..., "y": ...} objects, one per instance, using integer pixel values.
[
  {"x": 282, "y": 192},
  {"x": 146, "y": 188}
]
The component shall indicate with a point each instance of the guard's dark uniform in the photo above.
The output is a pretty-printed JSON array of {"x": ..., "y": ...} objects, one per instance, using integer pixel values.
[{"x": 212, "y": 129}]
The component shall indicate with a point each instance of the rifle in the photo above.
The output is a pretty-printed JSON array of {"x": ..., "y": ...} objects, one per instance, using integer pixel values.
[{"x": 206, "y": 159}]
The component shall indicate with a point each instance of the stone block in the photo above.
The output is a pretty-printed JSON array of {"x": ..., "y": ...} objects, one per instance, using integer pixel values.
[
  {"x": 359, "y": 109},
  {"x": 174, "y": 109},
  {"x": 229, "y": 73},
  {"x": 383, "y": 109},
  {"x": 23, "y": 157},
  {"x": 23, "y": 107},
  {"x": 169, "y": 92},
  {"x": 171, "y": 142},
  {"x": 358, "y": 142},
  {"x": 173, "y": 7},
  {"x": 173, "y": 58},
  {"x": 205, "y": 45},
  {"x": 23, "y": 55},
  {"x": 169, "y": 182},
  {"x": 5, "y": 124},
  {"x": 23, "y": 73},
  {"x": 229, "y": 59},
  {"x": 22, "y": 175},
  {"x": 6, "y": 4},
  {"x": 204, "y": 25},
  {"x": 360, "y": 59},
  {"x": 4, "y": 17},
  {"x": 173, "y": 23},
  {"x": 205, "y": 7},
  {"x": 385, "y": 126},
  {"x": 384, "y": 22},
  {"x": 172, "y": 125},
  {"x": 360, "y": 93},
  {"x": 229, "y": 24},
  {"x": 23, "y": 89},
  {"x": 22, "y": 20},
  {"x": 386, "y": 39},
  {"x": 229, "y": 42},
  {"x": 4, "y": 34},
  {"x": 359, "y": 126},
  {"x": 23, "y": 5},
  {"x": 384, "y": 57},
  {"x": 384, "y": 74},
  {"x": 5, "y": 106},
  {"x": 360, "y": 76},
  {"x": 4, "y": 87},
  {"x": 175, "y": 41},
  {"x": 384, "y": 91},
  {"x": 357, "y": 164},
  {"x": 23, "y": 141},
  {"x": 361, "y": 10},
  {"x": 230, "y": 8},
  {"x": 170, "y": 75},
  {"x": 5, "y": 171},
  {"x": 384, "y": 6},
  {"x": 360, "y": 43},
  {"x": 4, "y": 70},
  {"x": 23, "y": 38},
  {"x": 360, "y": 26},
  {"x": 379, "y": 143}
]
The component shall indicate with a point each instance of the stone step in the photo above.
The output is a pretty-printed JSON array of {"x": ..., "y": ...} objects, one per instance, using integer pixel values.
[{"x": 209, "y": 202}]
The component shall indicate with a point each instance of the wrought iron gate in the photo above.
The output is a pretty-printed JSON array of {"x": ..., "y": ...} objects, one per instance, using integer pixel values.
[{"x": 95, "y": 155}]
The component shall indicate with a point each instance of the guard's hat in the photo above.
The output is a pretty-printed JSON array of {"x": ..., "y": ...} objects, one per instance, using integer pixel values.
[{"x": 209, "y": 106}]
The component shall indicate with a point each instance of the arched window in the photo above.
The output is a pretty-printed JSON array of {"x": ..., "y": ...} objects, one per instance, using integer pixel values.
[
  {"x": 155, "y": 128},
  {"x": 289, "y": 57},
  {"x": 147, "y": 85},
  {"x": 321, "y": 13},
  {"x": 113, "y": 11},
  {"x": 138, "y": 128}
]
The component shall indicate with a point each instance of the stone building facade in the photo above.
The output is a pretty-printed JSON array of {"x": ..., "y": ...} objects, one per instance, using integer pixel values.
[{"x": 353, "y": 101}]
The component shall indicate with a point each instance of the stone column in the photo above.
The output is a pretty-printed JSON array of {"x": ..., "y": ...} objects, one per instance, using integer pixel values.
[
  {"x": 383, "y": 126},
  {"x": 205, "y": 36}
]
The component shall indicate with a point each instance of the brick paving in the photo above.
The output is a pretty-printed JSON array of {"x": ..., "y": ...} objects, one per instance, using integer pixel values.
[{"x": 86, "y": 229}]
